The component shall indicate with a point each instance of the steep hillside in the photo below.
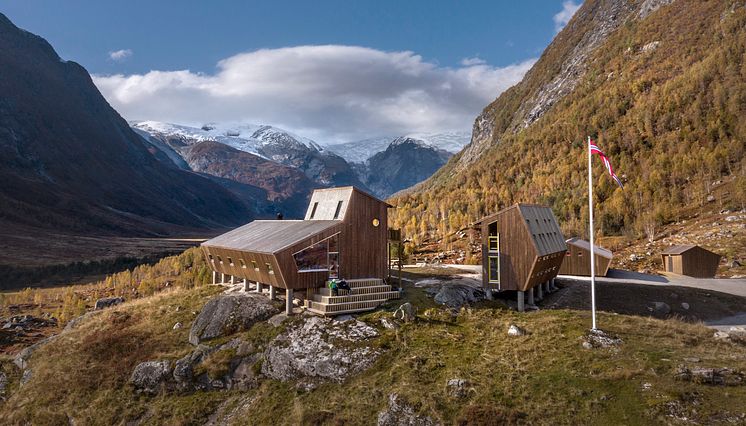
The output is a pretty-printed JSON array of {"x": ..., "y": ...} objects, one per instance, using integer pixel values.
[
  {"x": 69, "y": 162},
  {"x": 659, "y": 84}
]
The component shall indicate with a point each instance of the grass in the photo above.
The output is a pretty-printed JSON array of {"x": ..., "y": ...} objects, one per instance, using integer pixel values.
[{"x": 544, "y": 377}]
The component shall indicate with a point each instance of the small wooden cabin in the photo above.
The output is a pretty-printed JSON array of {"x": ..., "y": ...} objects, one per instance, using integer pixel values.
[
  {"x": 690, "y": 260},
  {"x": 577, "y": 259},
  {"x": 522, "y": 248},
  {"x": 344, "y": 235}
]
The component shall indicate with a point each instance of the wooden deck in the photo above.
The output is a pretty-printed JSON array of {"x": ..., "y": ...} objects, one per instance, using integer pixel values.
[{"x": 364, "y": 295}]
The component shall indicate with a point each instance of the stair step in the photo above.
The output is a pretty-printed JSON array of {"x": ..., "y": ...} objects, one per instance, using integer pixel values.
[
  {"x": 348, "y": 307},
  {"x": 356, "y": 297},
  {"x": 364, "y": 282},
  {"x": 356, "y": 290}
]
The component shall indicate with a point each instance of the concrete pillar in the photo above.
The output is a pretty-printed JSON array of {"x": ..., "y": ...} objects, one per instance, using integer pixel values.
[
  {"x": 222, "y": 278},
  {"x": 553, "y": 285},
  {"x": 233, "y": 280},
  {"x": 271, "y": 293},
  {"x": 245, "y": 285},
  {"x": 214, "y": 277},
  {"x": 521, "y": 306},
  {"x": 531, "y": 297},
  {"x": 289, "y": 301},
  {"x": 540, "y": 294},
  {"x": 258, "y": 288}
]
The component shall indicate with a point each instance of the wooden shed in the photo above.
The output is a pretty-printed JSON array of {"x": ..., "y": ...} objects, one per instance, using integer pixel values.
[
  {"x": 522, "y": 249},
  {"x": 690, "y": 260},
  {"x": 577, "y": 259},
  {"x": 343, "y": 235}
]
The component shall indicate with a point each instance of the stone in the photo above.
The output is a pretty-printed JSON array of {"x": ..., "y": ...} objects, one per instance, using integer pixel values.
[
  {"x": 177, "y": 326},
  {"x": 26, "y": 376},
  {"x": 692, "y": 359},
  {"x": 710, "y": 198},
  {"x": 244, "y": 375},
  {"x": 3, "y": 383},
  {"x": 711, "y": 376},
  {"x": 226, "y": 314},
  {"x": 514, "y": 330},
  {"x": 389, "y": 324},
  {"x": 320, "y": 349},
  {"x": 150, "y": 376},
  {"x": 458, "y": 295},
  {"x": 633, "y": 257},
  {"x": 21, "y": 359},
  {"x": 344, "y": 318},
  {"x": 734, "y": 264},
  {"x": 278, "y": 319},
  {"x": 684, "y": 305},
  {"x": 457, "y": 388},
  {"x": 661, "y": 308},
  {"x": 400, "y": 413},
  {"x": 600, "y": 339},
  {"x": 405, "y": 312},
  {"x": 107, "y": 302},
  {"x": 731, "y": 218}
]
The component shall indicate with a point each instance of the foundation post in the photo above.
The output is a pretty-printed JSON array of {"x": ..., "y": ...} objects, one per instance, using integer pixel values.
[
  {"x": 258, "y": 287},
  {"x": 540, "y": 294},
  {"x": 222, "y": 278},
  {"x": 531, "y": 297},
  {"x": 271, "y": 292},
  {"x": 214, "y": 277},
  {"x": 245, "y": 285},
  {"x": 233, "y": 280},
  {"x": 289, "y": 301},
  {"x": 521, "y": 306}
]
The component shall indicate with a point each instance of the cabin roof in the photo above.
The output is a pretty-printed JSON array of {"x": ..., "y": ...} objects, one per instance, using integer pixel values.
[
  {"x": 678, "y": 249},
  {"x": 270, "y": 236},
  {"x": 350, "y": 189},
  {"x": 584, "y": 244},
  {"x": 543, "y": 227}
]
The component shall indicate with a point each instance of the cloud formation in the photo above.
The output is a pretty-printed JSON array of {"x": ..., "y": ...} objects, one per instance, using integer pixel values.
[
  {"x": 330, "y": 93},
  {"x": 569, "y": 7},
  {"x": 120, "y": 55}
]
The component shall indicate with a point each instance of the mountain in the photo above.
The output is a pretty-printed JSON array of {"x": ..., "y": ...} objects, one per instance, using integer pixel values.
[
  {"x": 405, "y": 162},
  {"x": 69, "y": 162},
  {"x": 660, "y": 86},
  {"x": 362, "y": 150},
  {"x": 280, "y": 146}
]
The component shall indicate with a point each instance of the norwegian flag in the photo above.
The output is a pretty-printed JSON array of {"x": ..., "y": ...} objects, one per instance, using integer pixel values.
[{"x": 605, "y": 160}]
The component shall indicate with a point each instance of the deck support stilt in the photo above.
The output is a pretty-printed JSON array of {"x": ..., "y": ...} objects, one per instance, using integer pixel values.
[
  {"x": 222, "y": 278},
  {"x": 258, "y": 288},
  {"x": 289, "y": 301},
  {"x": 540, "y": 294},
  {"x": 214, "y": 277},
  {"x": 531, "y": 292},
  {"x": 245, "y": 285},
  {"x": 233, "y": 280},
  {"x": 553, "y": 285},
  {"x": 271, "y": 292},
  {"x": 521, "y": 306}
]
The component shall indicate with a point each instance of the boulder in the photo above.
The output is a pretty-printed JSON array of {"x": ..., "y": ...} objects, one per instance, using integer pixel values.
[
  {"x": 685, "y": 306},
  {"x": 320, "y": 349},
  {"x": 405, "y": 312},
  {"x": 458, "y": 295},
  {"x": 514, "y": 330},
  {"x": 661, "y": 308},
  {"x": 399, "y": 413},
  {"x": 226, "y": 314},
  {"x": 107, "y": 302},
  {"x": 150, "y": 376}
]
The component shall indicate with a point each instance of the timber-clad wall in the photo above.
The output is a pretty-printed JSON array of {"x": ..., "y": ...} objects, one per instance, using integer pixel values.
[
  {"x": 365, "y": 253},
  {"x": 577, "y": 262},
  {"x": 695, "y": 262}
]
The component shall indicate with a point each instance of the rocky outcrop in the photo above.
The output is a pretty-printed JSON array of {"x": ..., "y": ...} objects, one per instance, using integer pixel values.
[
  {"x": 458, "y": 295},
  {"x": 399, "y": 413},
  {"x": 711, "y": 376},
  {"x": 226, "y": 314},
  {"x": 320, "y": 349},
  {"x": 151, "y": 376},
  {"x": 108, "y": 302}
]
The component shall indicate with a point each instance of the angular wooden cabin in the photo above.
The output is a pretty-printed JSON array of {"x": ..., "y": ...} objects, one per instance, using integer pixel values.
[
  {"x": 344, "y": 235},
  {"x": 690, "y": 260},
  {"x": 577, "y": 260},
  {"x": 522, "y": 249}
]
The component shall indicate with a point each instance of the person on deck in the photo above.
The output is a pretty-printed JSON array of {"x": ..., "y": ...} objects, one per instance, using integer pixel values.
[
  {"x": 333, "y": 287},
  {"x": 342, "y": 284}
]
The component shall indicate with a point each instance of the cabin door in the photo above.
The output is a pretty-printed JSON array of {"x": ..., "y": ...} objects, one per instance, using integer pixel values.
[{"x": 669, "y": 268}]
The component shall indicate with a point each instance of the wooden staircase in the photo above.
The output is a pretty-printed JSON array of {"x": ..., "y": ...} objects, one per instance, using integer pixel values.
[{"x": 365, "y": 294}]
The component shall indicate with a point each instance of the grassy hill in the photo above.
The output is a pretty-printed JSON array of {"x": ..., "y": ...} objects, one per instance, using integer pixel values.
[
  {"x": 544, "y": 377},
  {"x": 662, "y": 94}
]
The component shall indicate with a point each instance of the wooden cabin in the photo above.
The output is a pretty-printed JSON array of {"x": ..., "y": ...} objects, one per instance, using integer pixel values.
[
  {"x": 343, "y": 235},
  {"x": 577, "y": 259},
  {"x": 690, "y": 260},
  {"x": 522, "y": 250}
]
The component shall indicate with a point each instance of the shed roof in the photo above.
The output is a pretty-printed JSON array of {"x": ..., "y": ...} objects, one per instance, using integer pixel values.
[
  {"x": 270, "y": 236},
  {"x": 587, "y": 246},
  {"x": 544, "y": 229},
  {"x": 678, "y": 249}
]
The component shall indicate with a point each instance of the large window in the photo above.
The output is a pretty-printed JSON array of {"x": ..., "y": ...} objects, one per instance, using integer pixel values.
[
  {"x": 320, "y": 257},
  {"x": 494, "y": 269},
  {"x": 313, "y": 210}
]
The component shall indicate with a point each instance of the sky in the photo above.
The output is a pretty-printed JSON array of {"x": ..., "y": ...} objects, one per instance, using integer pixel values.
[{"x": 334, "y": 71}]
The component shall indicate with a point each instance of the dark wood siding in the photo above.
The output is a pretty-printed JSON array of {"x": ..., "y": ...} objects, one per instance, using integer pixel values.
[
  {"x": 295, "y": 279},
  {"x": 237, "y": 270},
  {"x": 363, "y": 245},
  {"x": 577, "y": 262},
  {"x": 696, "y": 262}
]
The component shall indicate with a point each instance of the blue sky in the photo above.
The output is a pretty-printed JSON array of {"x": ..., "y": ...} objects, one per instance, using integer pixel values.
[{"x": 144, "y": 43}]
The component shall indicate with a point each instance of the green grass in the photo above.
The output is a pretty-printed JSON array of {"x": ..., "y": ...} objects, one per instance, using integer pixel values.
[{"x": 542, "y": 378}]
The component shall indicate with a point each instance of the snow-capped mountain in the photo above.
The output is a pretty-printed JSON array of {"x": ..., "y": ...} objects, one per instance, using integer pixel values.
[{"x": 362, "y": 150}]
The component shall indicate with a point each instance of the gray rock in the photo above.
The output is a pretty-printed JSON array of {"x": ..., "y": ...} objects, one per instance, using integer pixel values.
[
  {"x": 711, "y": 376},
  {"x": 731, "y": 218},
  {"x": 721, "y": 335},
  {"x": 661, "y": 308},
  {"x": 3, "y": 383},
  {"x": 405, "y": 312},
  {"x": 514, "y": 330},
  {"x": 226, "y": 314},
  {"x": 22, "y": 358},
  {"x": 600, "y": 339},
  {"x": 344, "y": 318},
  {"x": 278, "y": 319},
  {"x": 26, "y": 376},
  {"x": 320, "y": 349},
  {"x": 400, "y": 413},
  {"x": 177, "y": 326},
  {"x": 244, "y": 376},
  {"x": 734, "y": 264},
  {"x": 108, "y": 302},
  {"x": 458, "y": 295},
  {"x": 684, "y": 305},
  {"x": 458, "y": 388},
  {"x": 692, "y": 359},
  {"x": 150, "y": 376},
  {"x": 389, "y": 324}
]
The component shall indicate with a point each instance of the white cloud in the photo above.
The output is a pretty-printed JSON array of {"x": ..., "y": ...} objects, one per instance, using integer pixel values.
[
  {"x": 329, "y": 93},
  {"x": 569, "y": 7},
  {"x": 120, "y": 55},
  {"x": 467, "y": 62}
]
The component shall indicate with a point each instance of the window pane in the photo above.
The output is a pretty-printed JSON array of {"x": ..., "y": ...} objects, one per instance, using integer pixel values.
[
  {"x": 314, "y": 258},
  {"x": 494, "y": 269},
  {"x": 333, "y": 244}
]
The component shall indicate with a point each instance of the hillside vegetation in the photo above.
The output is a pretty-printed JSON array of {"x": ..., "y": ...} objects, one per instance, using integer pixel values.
[{"x": 665, "y": 97}]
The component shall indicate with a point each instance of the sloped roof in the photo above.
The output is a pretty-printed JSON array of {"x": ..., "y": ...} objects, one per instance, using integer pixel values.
[
  {"x": 544, "y": 229},
  {"x": 678, "y": 249},
  {"x": 326, "y": 201},
  {"x": 270, "y": 236},
  {"x": 587, "y": 246}
]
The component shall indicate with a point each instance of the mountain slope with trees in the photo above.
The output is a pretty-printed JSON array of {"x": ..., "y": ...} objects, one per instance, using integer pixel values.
[{"x": 660, "y": 85}]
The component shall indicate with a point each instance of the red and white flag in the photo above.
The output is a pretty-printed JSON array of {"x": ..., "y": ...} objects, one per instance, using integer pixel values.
[{"x": 595, "y": 150}]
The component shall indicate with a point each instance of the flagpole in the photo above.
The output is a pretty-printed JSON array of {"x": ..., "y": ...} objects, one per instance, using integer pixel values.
[{"x": 590, "y": 216}]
